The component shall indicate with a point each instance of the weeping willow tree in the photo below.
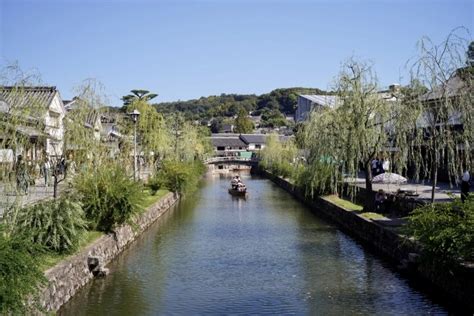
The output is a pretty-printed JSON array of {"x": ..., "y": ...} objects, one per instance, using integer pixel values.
[
  {"x": 441, "y": 127},
  {"x": 344, "y": 139},
  {"x": 280, "y": 158},
  {"x": 188, "y": 140},
  {"x": 22, "y": 132},
  {"x": 153, "y": 134}
]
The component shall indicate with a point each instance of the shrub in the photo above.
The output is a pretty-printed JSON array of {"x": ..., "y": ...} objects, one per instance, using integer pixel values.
[
  {"x": 55, "y": 224},
  {"x": 445, "y": 230},
  {"x": 20, "y": 272},
  {"x": 154, "y": 184},
  {"x": 109, "y": 196},
  {"x": 179, "y": 176},
  {"x": 318, "y": 178}
]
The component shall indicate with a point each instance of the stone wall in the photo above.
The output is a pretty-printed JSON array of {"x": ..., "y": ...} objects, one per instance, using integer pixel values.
[
  {"x": 455, "y": 283},
  {"x": 67, "y": 277}
]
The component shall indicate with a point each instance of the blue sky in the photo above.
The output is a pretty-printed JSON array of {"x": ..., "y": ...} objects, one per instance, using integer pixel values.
[{"x": 187, "y": 49}]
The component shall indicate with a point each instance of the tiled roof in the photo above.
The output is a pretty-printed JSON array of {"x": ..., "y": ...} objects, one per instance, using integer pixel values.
[
  {"x": 34, "y": 97},
  {"x": 227, "y": 142},
  {"x": 253, "y": 138},
  {"x": 453, "y": 87}
]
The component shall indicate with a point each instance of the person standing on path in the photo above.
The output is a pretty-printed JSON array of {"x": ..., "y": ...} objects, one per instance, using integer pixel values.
[
  {"x": 374, "y": 164},
  {"x": 21, "y": 172},
  {"x": 45, "y": 169},
  {"x": 385, "y": 165},
  {"x": 465, "y": 183}
]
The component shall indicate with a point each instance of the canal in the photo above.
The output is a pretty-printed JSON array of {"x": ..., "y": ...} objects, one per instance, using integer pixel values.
[{"x": 267, "y": 254}]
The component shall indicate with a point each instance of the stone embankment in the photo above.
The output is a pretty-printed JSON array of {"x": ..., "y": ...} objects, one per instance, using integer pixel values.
[
  {"x": 67, "y": 277},
  {"x": 455, "y": 283}
]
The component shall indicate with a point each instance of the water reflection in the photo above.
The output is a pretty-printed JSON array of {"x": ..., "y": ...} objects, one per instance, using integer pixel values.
[{"x": 267, "y": 254}]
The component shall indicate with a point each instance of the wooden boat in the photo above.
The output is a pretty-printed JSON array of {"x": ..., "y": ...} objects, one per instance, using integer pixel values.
[{"x": 236, "y": 192}]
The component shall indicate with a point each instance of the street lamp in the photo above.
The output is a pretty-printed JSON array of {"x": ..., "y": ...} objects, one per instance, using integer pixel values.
[{"x": 134, "y": 115}]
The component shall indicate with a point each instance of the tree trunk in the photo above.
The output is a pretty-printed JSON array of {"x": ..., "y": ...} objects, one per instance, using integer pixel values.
[
  {"x": 368, "y": 187},
  {"x": 55, "y": 186},
  {"x": 434, "y": 168},
  {"x": 434, "y": 177}
]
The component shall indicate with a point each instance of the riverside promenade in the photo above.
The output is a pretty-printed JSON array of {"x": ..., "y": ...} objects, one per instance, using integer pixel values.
[
  {"x": 443, "y": 191},
  {"x": 36, "y": 192}
]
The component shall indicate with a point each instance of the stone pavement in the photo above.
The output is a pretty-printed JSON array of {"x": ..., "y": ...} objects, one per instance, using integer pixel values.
[
  {"x": 423, "y": 189},
  {"x": 37, "y": 192}
]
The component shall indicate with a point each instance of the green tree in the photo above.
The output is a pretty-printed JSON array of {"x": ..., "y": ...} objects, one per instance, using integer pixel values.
[
  {"x": 470, "y": 54},
  {"x": 441, "y": 127},
  {"x": 273, "y": 118},
  {"x": 351, "y": 135},
  {"x": 153, "y": 134},
  {"x": 279, "y": 157},
  {"x": 137, "y": 94},
  {"x": 216, "y": 125},
  {"x": 243, "y": 124}
]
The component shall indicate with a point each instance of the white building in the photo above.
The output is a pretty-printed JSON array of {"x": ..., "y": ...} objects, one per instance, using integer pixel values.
[
  {"x": 37, "y": 113},
  {"x": 308, "y": 103}
]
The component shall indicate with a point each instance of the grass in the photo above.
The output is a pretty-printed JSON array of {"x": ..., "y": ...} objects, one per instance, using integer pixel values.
[
  {"x": 50, "y": 259},
  {"x": 372, "y": 215},
  {"x": 150, "y": 199},
  {"x": 348, "y": 205}
]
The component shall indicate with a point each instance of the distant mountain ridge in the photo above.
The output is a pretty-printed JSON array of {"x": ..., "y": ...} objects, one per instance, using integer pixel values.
[{"x": 228, "y": 105}]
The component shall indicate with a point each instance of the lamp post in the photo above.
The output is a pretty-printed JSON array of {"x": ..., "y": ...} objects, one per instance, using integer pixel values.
[{"x": 134, "y": 115}]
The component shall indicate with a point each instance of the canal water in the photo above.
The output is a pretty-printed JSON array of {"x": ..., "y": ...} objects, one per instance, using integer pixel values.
[{"x": 267, "y": 254}]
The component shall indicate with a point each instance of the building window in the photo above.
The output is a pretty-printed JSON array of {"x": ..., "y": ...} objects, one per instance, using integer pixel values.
[
  {"x": 258, "y": 146},
  {"x": 220, "y": 148}
]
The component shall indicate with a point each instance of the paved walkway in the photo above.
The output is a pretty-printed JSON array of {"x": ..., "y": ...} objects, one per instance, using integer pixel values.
[
  {"x": 37, "y": 192},
  {"x": 422, "y": 191},
  {"x": 442, "y": 192}
]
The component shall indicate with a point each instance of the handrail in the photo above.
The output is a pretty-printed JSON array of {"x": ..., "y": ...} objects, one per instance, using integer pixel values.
[{"x": 222, "y": 159}]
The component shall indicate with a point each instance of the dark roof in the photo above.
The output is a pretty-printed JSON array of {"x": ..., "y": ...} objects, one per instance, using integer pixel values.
[
  {"x": 253, "y": 138},
  {"x": 260, "y": 138},
  {"x": 68, "y": 103},
  {"x": 227, "y": 142},
  {"x": 36, "y": 97},
  {"x": 453, "y": 87}
]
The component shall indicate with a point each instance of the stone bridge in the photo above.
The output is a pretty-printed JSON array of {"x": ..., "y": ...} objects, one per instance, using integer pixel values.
[
  {"x": 231, "y": 160},
  {"x": 230, "y": 164}
]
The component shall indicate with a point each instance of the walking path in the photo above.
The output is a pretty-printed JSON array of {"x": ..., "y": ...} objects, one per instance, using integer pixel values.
[
  {"x": 442, "y": 192},
  {"x": 37, "y": 192},
  {"x": 421, "y": 192}
]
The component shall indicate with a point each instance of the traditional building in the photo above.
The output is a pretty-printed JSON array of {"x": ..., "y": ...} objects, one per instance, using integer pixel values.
[
  {"x": 34, "y": 114},
  {"x": 227, "y": 144},
  {"x": 236, "y": 144}
]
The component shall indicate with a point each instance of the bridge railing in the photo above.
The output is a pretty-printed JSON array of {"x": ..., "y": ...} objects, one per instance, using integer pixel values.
[{"x": 230, "y": 158}]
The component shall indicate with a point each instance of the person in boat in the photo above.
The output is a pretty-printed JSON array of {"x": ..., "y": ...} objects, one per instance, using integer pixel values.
[
  {"x": 234, "y": 182},
  {"x": 241, "y": 187}
]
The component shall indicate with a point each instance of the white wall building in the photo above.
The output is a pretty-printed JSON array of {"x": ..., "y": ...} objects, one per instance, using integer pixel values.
[
  {"x": 308, "y": 103},
  {"x": 39, "y": 114}
]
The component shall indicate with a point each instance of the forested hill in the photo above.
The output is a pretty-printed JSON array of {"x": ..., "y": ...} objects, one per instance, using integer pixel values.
[{"x": 228, "y": 105}]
